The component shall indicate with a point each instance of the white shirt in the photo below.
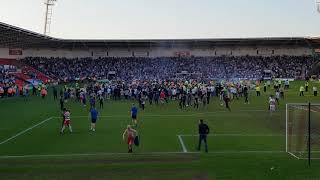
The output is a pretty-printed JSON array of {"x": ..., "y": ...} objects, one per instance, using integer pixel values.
[
  {"x": 272, "y": 102},
  {"x": 174, "y": 92}
]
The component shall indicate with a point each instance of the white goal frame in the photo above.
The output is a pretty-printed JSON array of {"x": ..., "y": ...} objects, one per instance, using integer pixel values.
[{"x": 287, "y": 118}]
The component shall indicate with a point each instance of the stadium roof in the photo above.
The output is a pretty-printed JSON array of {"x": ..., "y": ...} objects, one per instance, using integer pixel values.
[{"x": 15, "y": 37}]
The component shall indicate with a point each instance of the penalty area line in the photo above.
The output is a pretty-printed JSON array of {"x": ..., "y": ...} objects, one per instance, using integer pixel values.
[
  {"x": 240, "y": 135},
  {"x": 26, "y": 130},
  {"x": 184, "y": 149},
  {"x": 245, "y": 152}
]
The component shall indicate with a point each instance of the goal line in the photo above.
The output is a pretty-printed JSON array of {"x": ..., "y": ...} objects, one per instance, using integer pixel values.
[{"x": 185, "y": 149}]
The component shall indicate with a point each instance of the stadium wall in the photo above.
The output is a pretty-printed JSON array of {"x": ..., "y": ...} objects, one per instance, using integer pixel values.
[{"x": 158, "y": 52}]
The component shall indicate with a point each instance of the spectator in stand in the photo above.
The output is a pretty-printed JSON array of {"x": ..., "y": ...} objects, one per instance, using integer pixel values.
[
  {"x": 143, "y": 68},
  {"x": 1, "y": 92}
]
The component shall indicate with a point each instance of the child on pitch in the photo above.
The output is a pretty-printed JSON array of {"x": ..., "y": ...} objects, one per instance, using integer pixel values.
[
  {"x": 277, "y": 96},
  {"x": 204, "y": 99},
  {"x": 92, "y": 101},
  {"x": 131, "y": 134},
  {"x": 281, "y": 93},
  {"x": 315, "y": 91},
  {"x": 101, "y": 99},
  {"x": 272, "y": 104},
  {"x": 1, "y": 92},
  {"x": 134, "y": 114},
  {"x": 43, "y": 93},
  {"x": 143, "y": 101},
  {"x": 162, "y": 97},
  {"x": 66, "y": 120},
  {"x": 226, "y": 100},
  {"x": 221, "y": 94},
  {"x": 246, "y": 94},
  {"x": 94, "y": 117},
  {"x": 306, "y": 86},
  {"x": 83, "y": 98},
  {"x": 196, "y": 101}
]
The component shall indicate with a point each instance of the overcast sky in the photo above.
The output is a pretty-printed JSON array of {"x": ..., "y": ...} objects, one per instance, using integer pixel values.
[{"x": 153, "y": 19}]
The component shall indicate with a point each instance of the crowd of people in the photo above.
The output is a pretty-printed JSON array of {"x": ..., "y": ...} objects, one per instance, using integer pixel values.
[
  {"x": 7, "y": 81},
  {"x": 189, "y": 94},
  {"x": 160, "y": 68}
]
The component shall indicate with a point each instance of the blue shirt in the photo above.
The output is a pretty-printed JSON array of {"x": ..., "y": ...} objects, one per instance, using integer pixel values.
[
  {"x": 66, "y": 94},
  {"x": 94, "y": 113},
  {"x": 92, "y": 101},
  {"x": 134, "y": 111}
]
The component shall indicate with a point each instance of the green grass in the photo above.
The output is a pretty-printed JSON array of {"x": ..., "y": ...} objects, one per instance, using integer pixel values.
[{"x": 102, "y": 154}]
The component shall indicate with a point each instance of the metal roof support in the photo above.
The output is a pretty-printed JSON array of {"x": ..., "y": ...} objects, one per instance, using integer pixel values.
[{"x": 48, "y": 16}]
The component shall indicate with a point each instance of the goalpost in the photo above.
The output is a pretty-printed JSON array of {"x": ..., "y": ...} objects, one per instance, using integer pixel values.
[{"x": 303, "y": 130}]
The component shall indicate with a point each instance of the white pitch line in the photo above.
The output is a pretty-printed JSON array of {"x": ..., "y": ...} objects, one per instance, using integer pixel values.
[
  {"x": 304, "y": 104},
  {"x": 184, "y": 149},
  {"x": 26, "y": 130},
  {"x": 146, "y": 153},
  {"x": 304, "y": 108},
  {"x": 244, "y": 152},
  {"x": 95, "y": 154},
  {"x": 213, "y": 112},
  {"x": 245, "y": 135},
  {"x": 308, "y": 158},
  {"x": 6, "y": 99},
  {"x": 305, "y": 151},
  {"x": 293, "y": 155}
]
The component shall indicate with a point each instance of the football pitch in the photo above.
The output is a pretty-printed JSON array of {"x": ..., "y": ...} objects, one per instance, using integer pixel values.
[{"x": 245, "y": 143}]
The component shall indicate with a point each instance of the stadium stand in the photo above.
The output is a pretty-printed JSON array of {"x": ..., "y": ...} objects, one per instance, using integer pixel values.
[
  {"x": 204, "y": 68},
  {"x": 21, "y": 72}
]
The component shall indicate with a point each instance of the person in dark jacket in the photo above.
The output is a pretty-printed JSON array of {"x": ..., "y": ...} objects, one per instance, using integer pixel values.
[
  {"x": 203, "y": 132},
  {"x": 61, "y": 100},
  {"x": 55, "y": 93}
]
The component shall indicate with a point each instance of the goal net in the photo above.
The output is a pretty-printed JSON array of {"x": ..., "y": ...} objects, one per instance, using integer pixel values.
[{"x": 300, "y": 137}]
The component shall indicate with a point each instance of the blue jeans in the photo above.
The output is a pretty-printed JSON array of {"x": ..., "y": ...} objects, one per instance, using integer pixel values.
[{"x": 203, "y": 137}]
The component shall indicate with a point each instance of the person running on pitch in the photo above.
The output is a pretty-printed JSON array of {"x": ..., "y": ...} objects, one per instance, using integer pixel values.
[
  {"x": 94, "y": 117},
  {"x": 131, "y": 134},
  {"x": 272, "y": 104},
  {"x": 134, "y": 114},
  {"x": 66, "y": 121}
]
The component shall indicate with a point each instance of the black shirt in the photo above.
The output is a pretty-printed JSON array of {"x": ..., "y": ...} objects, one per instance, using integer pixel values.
[
  {"x": 55, "y": 92},
  {"x": 61, "y": 101},
  {"x": 203, "y": 129}
]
